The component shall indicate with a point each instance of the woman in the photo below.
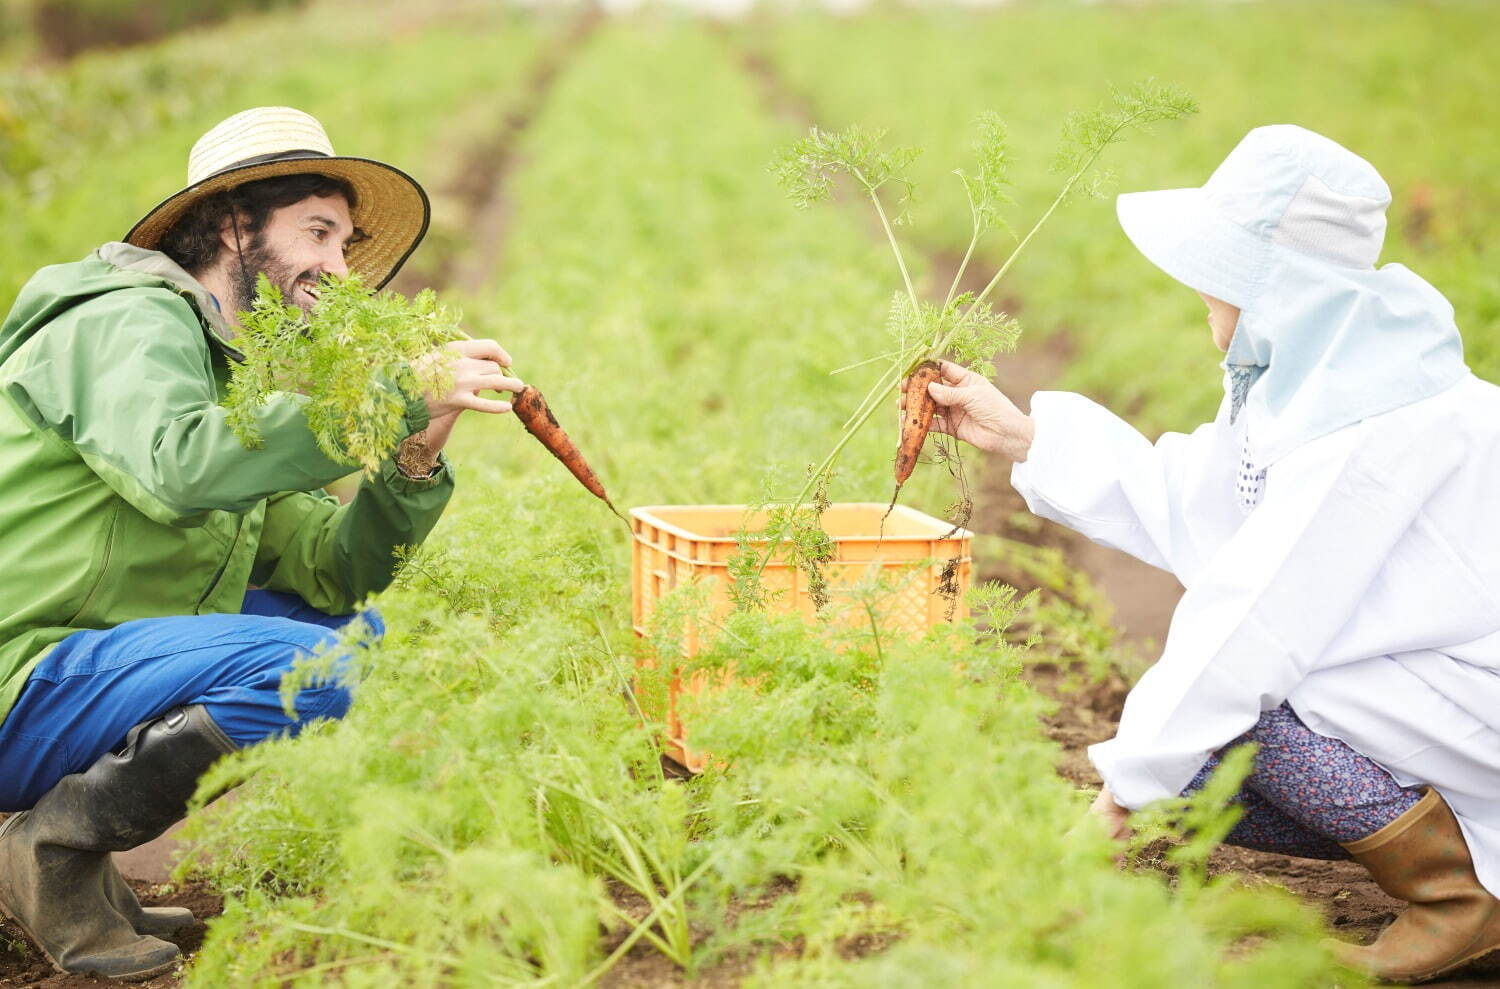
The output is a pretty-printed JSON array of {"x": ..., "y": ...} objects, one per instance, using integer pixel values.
[{"x": 1334, "y": 529}]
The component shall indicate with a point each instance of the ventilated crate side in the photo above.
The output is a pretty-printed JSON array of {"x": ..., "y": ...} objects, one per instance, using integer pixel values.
[
  {"x": 677, "y": 544},
  {"x": 668, "y": 555}
]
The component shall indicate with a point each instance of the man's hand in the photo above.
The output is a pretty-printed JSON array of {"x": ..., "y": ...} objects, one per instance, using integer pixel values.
[
  {"x": 476, "y": 366},
  {"x": 1116, "y": 818},
  {"x": 975, "y": 411}
]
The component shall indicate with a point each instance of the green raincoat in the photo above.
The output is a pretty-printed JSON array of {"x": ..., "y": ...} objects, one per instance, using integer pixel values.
[{"x": 124, "y": 495}]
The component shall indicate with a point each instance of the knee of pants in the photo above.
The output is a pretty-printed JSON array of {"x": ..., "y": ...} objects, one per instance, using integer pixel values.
[
  {"x": 373, "y": 619},
  {"x": 329, "y": 693},
  {"x": 251, "y": 717},
  {"x": 279, "y": 698},
  {"x": 323, "y": 700}
]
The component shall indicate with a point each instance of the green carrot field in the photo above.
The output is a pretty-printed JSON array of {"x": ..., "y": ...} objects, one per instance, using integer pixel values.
[{"x": 494, "y": 810}]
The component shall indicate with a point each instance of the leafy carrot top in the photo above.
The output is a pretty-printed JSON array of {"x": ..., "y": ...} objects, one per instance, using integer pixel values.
[{"x": 351, "y": 357}]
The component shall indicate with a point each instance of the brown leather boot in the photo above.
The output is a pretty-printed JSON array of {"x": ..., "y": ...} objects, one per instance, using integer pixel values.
[
  {"x": 1421, "y": 857},
  {"x": 57, "y": 881}
]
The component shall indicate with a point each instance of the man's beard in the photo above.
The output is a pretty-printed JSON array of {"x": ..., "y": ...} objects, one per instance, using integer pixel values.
[{"x": 258, "y": 258}]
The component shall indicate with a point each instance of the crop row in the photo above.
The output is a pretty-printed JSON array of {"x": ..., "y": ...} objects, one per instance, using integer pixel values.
[
  {"x": 891, "y": 815},
  {"x": 1405, "y": 85},
  {"x": 87, "y": 149}
]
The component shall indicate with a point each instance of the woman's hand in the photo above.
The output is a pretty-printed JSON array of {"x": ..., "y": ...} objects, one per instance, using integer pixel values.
[
  {"x": 975, "y": 411},
  {"x": 1116, "y": 819}
]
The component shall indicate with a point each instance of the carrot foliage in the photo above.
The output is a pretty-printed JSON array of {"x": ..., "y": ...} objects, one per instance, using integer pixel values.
[
  {"x": 351, "y": 359},
  {"x": 964, "y": 327}
]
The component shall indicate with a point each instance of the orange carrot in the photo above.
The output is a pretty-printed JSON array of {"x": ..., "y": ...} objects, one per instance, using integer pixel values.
[
  {"x": 531, "y": 408},
  {"x": 917, "y": 418}
]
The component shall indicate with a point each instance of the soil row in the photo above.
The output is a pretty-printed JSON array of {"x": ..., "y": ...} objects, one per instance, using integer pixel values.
[{"x": 472, "y": 204}]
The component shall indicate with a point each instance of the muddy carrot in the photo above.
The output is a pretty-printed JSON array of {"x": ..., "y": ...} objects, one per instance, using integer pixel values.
[
  {"x": 531, "y": 408},
  {"x": 917, "y": 418}
]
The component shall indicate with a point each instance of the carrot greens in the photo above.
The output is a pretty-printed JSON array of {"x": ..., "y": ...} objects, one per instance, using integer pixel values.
[
  {"x": 352, "y": 357},
  {"x": 965, "y": 327}
]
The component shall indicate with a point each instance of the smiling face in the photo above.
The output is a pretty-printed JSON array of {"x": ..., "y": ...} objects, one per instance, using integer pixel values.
[
  {"x": 1222, "y": 319},
  {"x": 298, "y": 245}
]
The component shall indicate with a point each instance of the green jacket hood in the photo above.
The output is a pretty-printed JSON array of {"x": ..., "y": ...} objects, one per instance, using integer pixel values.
[{"x": 57, "y": 288}]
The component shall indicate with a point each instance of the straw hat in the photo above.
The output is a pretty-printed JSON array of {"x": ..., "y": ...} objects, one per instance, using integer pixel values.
[{"x": 277, "y": 140}]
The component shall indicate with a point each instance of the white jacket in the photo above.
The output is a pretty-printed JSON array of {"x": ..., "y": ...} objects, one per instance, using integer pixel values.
[{"x": 1364, "y": 589}]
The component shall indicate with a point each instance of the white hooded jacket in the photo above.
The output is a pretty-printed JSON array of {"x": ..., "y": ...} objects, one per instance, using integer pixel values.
[{"x": 1364, "y": 587}]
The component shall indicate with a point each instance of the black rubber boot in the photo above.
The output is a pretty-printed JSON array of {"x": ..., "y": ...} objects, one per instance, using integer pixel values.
[
  {"x": 56, "y": 876},
  {"x": 156, "y": 921}
]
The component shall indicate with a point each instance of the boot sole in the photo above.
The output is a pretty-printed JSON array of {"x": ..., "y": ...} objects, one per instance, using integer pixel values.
[
  {"x": 140, "y": 976},
  {"x": 1484, "y": 954}
]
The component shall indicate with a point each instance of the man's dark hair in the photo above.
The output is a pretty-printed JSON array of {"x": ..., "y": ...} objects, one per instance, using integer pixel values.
[{"x": 194, "y": 241}]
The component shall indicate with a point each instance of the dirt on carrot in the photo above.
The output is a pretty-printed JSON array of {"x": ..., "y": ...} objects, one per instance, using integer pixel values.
[
  {"x": 531, "y": 408},
  {"x": 916, "y": 419}
]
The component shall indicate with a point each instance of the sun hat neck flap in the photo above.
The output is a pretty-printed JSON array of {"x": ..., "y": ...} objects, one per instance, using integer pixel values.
[
  {"x": 391, "y": 207},
  {"x": 1288, "y": 229}
]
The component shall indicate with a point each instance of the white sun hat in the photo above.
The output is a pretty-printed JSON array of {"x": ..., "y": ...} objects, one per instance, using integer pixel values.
[
  {"x": 392, "y": 209},
  {"x": 1288, "y": 230},
  {"x": 1282, "y": 185}
]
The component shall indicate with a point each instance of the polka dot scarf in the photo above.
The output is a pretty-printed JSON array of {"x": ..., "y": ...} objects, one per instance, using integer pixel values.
[{"x": 1249, "y": 483}]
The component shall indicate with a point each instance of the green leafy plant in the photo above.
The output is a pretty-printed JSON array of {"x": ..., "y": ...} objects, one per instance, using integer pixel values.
[
  {"x": 352, "y": 357},
  {"x": 964, "y": 326},
  {"x": 1196, "y": 824},
  {"x": 360, "y": 358}
]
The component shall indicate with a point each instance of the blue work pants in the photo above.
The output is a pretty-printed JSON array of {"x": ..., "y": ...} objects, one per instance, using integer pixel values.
[{"x": 94, "y": 686}]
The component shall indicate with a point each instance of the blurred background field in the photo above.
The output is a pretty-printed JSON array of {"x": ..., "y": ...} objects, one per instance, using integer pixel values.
[
  {"x": 84, "y": 143},
  {"x": 1407, "y": 86},
  {"x": 603, "y": 207}
]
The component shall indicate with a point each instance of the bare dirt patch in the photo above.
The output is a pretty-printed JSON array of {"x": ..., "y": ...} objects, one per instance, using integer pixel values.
[
  {"x": 471, "y": 204},
  {"x": 644, "y": 966}
]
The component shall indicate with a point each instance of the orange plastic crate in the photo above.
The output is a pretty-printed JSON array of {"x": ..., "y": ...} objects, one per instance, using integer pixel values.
[{"x": 678, "y": 544}]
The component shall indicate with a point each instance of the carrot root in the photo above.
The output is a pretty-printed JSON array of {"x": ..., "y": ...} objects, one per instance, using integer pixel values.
[
  {"x": 916, "y": 421},
  {"x": 531, "y": 408}
]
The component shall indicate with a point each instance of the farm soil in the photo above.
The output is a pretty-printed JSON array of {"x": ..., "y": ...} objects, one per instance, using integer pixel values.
[
  {"x": 21, "y": 964},
  {"x": 472, "y": 205}
]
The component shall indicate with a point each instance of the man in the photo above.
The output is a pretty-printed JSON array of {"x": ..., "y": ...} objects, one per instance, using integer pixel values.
[{"x": 131, "y": 655}]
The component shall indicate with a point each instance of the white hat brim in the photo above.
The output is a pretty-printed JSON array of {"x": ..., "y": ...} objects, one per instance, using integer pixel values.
[{"x": 1184, "y": 234}]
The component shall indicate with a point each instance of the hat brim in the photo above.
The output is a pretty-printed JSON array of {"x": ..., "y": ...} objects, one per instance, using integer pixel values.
[
  {"x": 392, "y": 208},
  {"x": 1183, "y": 233}
]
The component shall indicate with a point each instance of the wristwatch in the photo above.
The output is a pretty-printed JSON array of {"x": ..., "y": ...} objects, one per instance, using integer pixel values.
[{"x": 416, "y": 467}]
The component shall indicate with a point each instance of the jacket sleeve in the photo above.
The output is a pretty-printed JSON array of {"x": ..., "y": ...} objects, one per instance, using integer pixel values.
[
  {"x": 334, "y": 555},
  {"x": 125, "y": 379},
  {"x": 1263, "y": 613},
  {"x": 1093, "y": 472}
]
